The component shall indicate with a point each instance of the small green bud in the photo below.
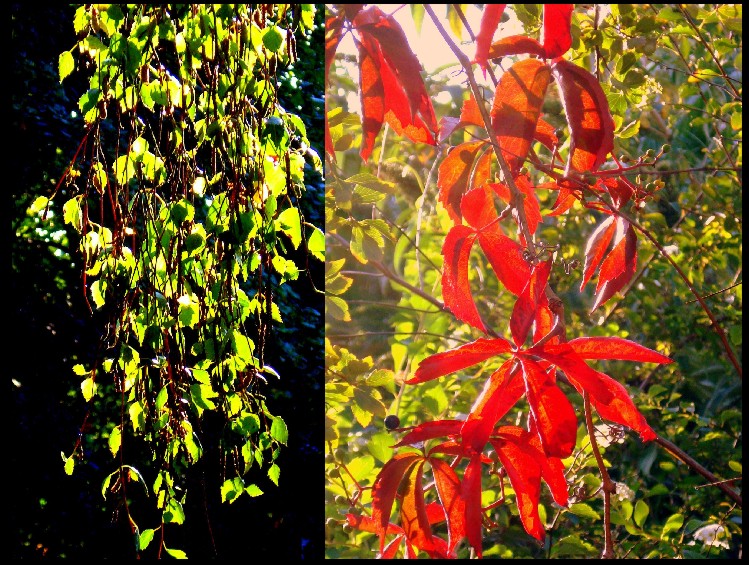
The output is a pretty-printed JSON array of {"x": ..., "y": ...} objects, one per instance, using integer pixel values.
[{"x": 666, "y": 148}]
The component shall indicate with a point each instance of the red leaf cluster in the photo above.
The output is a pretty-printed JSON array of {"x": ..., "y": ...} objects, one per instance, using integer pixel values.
[{"x": 391, "y": 88}]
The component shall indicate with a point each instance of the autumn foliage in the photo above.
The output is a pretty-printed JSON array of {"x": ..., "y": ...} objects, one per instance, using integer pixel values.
[{"x": 458, "y": 456}]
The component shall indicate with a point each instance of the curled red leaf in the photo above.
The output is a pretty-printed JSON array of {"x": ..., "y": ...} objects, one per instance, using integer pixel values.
[{"x": 490, "y": 19}]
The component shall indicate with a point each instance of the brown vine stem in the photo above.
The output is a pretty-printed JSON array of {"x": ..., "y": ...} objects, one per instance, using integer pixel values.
[
  {"x": 607, "y": 486},
  {"x": 683, "y": 456}
]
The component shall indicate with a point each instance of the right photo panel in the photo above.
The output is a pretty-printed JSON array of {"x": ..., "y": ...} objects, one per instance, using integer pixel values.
[{"x": 533, "y": 281}]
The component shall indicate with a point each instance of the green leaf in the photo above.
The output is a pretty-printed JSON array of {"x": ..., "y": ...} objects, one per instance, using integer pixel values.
[
  {"x": 115, "y": 440},
  {"x": 98, "y": 288},
  {"x": 72, "y": 213},
  {"x": 80, "y": 370},
  {"x": 735, "y": 466},
  {"x": 641, "y": 512},
  {"x": 674, "y": 523},
  {"x": 272, "y": 38},
  {"x": 278, "y": 430},
  {"x": 231, "y": 489},
  {"x": 65, "y": 64},
  {"x": 316, "y": 244},
  {"x": 69, "y": 464},
  {"x": 584, "y": 511},
  {"x": 145, "y": 538},
  {"x": 253, "y": 490},
  {"x": 246, "y": 424},
  {"x": 201, "y": 396},
  {"x": 88, "y": 387},
  {"x": 176, "y": 553},
  {"x": 274, "y": 473},
  {"x": 289, "y": 223},
  {"x": 174, "y": 513}
]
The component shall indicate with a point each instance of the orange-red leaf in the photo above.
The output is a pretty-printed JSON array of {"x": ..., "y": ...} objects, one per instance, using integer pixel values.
[
  {"x": 371, "y": 94},
  {"x": 501, "y": 391},
  {"x": 459, "y": 358},
  {"x": 621, "y": 410},
  {"x": 524, "y": 473},
  {"x": 551, "y": 410},
  {"x": 333, "y": 34},
  {"x": 524, "y": 311},
  {"x": 530, "y": 202},
  {"x": 449, "y": 491},
  {"x": 401, "y": 59},
  {"x": 615, "y": 348},
  {"x": 514, "y": 45},
  {"x": 516, "y": 108},
  {"x": 456, "y": 290},
  {"x": 477, "y": 208},
  {"x": 506, "y": 258},
  {"x": 413, "y": 513},
  {"x": 471, "y": 491},
  {"x": 430, "y": 430},
  {"x": 386, "y": 487},
  {"x": 620, "y": 266},
  {"x": 546, "y": 134},
  {"x": 490, "y": 19},
  {"x": 557, "y": 38},
  {"x": 589, "y": 117},
  {"x": 454, "y": 174},
  {"x": 597, "y": 244}
]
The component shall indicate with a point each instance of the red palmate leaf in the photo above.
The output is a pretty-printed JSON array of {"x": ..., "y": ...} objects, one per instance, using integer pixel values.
[
  {"x": 620, "y": 266},
  {"x": 615, "y": 348},
  {"x": 456, "y": 290},
  {"x": 588, "y": 114},
  {"x": 454, "y": 174},
  {"x": 597, "y": 244},
  {"x": 514, "y": 45},
  {"x": 546, "y": 134},
  {"x": 552, "y": 468},
  {"x": 490, "y": 20},
  {"x": 447, "y": 362},
  {"x": 449, "y": 491},
  {"x": 471, "y": 491},
  {"x": 367, "y": 524},
  {"x": 501, "y": 391},
  {"x": 470, "y": 113},
  {"x": 477, "y": 208},
  {"x": 551, "y": 410},
  {"x": 516, "y": 108},
  {"x": 524, "y": 311},
  {"x": 385, "y": 488}
]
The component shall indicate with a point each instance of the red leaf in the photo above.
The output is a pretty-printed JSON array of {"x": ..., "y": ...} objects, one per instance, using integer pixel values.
[
  {"x": 524, "y": 473},
  {"x": 524, "y": 311},
  {"x": 517, "y": 107},
  {"x": 351, "y": 10},
  {"x": 514, "y": 45},
  {"x": 589, "y": 117},
  {"x": 546, "y": 134},
  {"x": 401, "y": 59},
  {"x": 454, "y": 174},
  {"x": 557, "y": 38},
  {"x": 470, "y": 113},
  {"x": 477, "y": 208},
  {"x": 471, "y": 491},
  {"x": 449, "y": 491},
  {"x": 490, "y": 20},
  {"x": 530, "y": 202},
  {"x": 621, "y": 410},
  {"x": 565, "y": 199},
  {"x": 506, "y": 258},
  {"x": 620, "y": 266},
  {"x": 459, "y": 358},
  {"x": 413, "y": 513},
  {"x": 597, "y": 244},
  {"x": 456, "y": 290},
  {"x": 551, "y": 410},
  {"x": 430, "y": 430},
  {"x": 501, "y": 391},
  {"x": 615, "y": 348},
  {"x": 371, "y": 94},
  {"x": 367, "y": 524},
  {"x": 544, "y": 322},
  {"x": 385, "y": 488}
]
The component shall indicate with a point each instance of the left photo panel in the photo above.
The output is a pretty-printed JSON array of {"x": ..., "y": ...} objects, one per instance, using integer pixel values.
[{"x": 167, "y": 274}]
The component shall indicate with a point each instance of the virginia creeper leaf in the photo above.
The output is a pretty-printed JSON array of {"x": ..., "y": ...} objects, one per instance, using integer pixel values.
[
  {"x": 459, "y": 358},
  {"x": 454, "y": 174},
  {"x": 588, "y": 115},
  {"x": 516, "y": 108},
  {"x": 456, "y": 290},
  {"x": 490, "y": 20}
]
